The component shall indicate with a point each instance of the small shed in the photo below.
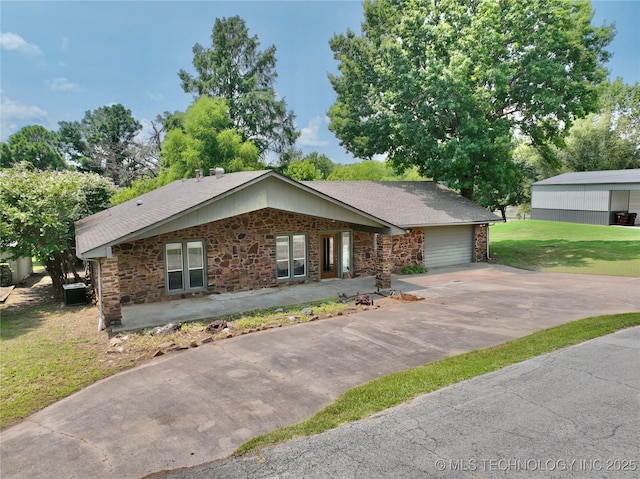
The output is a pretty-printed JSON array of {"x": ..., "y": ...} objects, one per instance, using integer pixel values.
[{"x": 590, "y": 197}]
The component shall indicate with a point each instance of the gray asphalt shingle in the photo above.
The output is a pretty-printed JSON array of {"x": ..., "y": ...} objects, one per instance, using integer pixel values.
[{"x": 403, "y": 203}]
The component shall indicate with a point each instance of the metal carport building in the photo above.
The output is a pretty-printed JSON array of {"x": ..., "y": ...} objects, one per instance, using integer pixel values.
[{"x": 591, "y": 197}]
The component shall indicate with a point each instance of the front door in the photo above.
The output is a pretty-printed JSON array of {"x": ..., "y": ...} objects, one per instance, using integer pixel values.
[{"x": 328, "y": 256}]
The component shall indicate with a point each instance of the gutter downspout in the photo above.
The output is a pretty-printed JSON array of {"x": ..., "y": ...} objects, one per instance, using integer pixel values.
[{"x": 99, "y": 285}]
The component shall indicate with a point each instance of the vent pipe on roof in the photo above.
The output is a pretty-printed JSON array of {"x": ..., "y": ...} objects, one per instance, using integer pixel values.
[
  {"x": 197, "y": 175},
  {"x": 212, "y": 171},
  {"x": 219, "y": 172}
]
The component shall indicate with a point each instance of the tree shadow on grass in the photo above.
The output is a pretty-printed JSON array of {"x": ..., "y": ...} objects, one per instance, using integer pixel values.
[
  {"x": 543, "y": 254},
  {"x": 27, "y": 306}
]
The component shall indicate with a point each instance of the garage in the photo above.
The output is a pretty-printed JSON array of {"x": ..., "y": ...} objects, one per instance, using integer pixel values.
[{"x": 448, "y": 245}]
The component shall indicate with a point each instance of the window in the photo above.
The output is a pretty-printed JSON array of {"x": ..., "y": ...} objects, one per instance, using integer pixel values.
[
  {"x": 185, "y": 272},
  {"x": 291, "y": 256},
  {"x": 345, "y": 240}
]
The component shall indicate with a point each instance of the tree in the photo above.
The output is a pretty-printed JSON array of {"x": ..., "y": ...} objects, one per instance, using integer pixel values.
[
  {"x": 36, "y": 145},
  {"x": 302, "y": 170},
  {"x": 236, "y": 70},
  {"x": 38, "y": 210},
  {"x": 104, "y": 143},
  {"x": 595, "y": 144},
  {"x": 610, "y": 138},
  {"x": 206, "y": 139},
  {"x": 370, "y": 170},
  {"x": 445, "y": 85},
  {"x": 321, "y": 162}
]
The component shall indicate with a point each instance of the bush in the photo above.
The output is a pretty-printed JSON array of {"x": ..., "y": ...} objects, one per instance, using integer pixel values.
[{"x": 414, "y": 269}]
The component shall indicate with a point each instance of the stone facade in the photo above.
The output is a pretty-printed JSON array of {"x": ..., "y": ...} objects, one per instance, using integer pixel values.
[
  {"x": 110, "y": 290},
  {"x": 383, "y": 263},
  {"x": 240, "y": 254},
  {"x": 407, "y": 250},
  {"x": 481, "y": 240}
]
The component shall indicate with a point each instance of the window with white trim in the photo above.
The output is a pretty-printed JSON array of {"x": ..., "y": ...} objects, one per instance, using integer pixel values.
[
  {"x": 291, "y": 256},
  {"x": 185, "y": 266}
]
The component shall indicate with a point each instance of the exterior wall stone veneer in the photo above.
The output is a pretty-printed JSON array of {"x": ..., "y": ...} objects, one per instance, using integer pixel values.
[
  {"x": 481, "y": 236},
  {"x": 383, "y": 264},
  {"x": 240, "y": 254},
  {"x": 407, "y": 250},
  {"x": 110, "y": 291}
]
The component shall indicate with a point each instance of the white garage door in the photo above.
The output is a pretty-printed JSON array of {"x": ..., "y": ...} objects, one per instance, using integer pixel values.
[{"x": 448, "y": 245}]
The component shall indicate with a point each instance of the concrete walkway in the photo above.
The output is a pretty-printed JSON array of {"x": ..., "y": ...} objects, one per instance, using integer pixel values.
[
  {"x": 197, "y": 406},
  {"x": 142, "y": 316}
]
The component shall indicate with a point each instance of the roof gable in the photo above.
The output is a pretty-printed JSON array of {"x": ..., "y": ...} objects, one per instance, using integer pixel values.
[{"x": 190, "y": 202}]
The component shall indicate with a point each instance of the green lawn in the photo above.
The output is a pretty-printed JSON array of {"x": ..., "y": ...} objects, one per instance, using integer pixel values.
[{"x": 566, "y": 247}]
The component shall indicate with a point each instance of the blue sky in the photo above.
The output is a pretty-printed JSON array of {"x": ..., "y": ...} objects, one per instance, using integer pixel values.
[{"x": 60, "y": 59}]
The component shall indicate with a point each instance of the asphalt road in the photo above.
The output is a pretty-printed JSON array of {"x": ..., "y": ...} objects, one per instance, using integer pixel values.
[{"x": 574, "y": 413}]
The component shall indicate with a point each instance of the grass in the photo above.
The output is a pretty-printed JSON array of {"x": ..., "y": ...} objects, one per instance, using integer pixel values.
[
  {"x": 558, "y": 247},
  {"x": 43, "y": 360},
  {"x": 47, "y": 353},
  {"x": 393, "y": 389}
]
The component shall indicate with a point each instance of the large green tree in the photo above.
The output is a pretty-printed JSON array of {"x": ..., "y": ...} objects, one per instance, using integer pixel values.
[
  {"x": 206, "y": 139},
  {"x": 610, "y": 138},
  {"x": 235, "y": 69},
  {"x": 445, "y": 84},
  {"x": 103, "y": 142},
  {"x": 36, "y": 145},
  {"x": 38, "y": 210}
]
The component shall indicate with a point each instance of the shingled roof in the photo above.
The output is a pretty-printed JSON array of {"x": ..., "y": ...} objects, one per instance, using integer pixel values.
[
  {"x": 407, "y": 203},
  {"x": 156, "y": 207},
  {"x": 403, "y": 204}
]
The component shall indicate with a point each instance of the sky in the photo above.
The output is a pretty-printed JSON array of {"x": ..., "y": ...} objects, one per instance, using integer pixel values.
[{"x": 60, "y": 59}]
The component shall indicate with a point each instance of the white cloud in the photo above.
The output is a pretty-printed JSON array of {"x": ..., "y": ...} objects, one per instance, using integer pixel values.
[
  {"x": 62, "y": 84},
  {"x": 15, "y": 115},
  {"x": 309, "y": 135},
  {"x": 14, "y": 42}
]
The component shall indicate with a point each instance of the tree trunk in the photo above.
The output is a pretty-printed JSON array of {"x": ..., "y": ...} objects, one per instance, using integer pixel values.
[
  {"x": 55, "y": 269},
  {"x": 467, "y": 192},
  {"x": 503, "y": 210}
]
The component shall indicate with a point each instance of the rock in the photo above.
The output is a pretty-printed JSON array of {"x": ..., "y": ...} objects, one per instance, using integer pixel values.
[
  {"x": 166, "y": 345},
  {"x": 166, "y": 329},
  {"x": 307, "y": 312},
  {"x": 115, "y": 342},
  {"x": 292, "y": 319},
  {"x": 364, "y": 300},
  {"x": 206, "y": 340},
  {"x": 216, "y": 326},
  {"x": 279, "y": 310},
  {"x": 157, "y": 353}
]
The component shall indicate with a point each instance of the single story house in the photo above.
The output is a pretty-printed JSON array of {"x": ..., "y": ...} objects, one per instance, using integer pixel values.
[
  {"x": 256, "y": 229},
  {"x": 591, "y": 197}
]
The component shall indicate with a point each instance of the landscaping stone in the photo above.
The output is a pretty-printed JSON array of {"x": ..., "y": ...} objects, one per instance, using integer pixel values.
[
  {"x": 307, "y": 312},
  {"x": 166, "y": 329},
  {"x": 216, "y": 326}
]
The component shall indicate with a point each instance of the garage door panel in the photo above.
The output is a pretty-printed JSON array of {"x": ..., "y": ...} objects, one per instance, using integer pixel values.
[{"x": 448, "y": 245}]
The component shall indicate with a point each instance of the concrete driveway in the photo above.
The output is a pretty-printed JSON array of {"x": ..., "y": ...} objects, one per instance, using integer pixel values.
[
  {"x": 198, "y": 406},
  {"x": 573, "y": 413}
]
